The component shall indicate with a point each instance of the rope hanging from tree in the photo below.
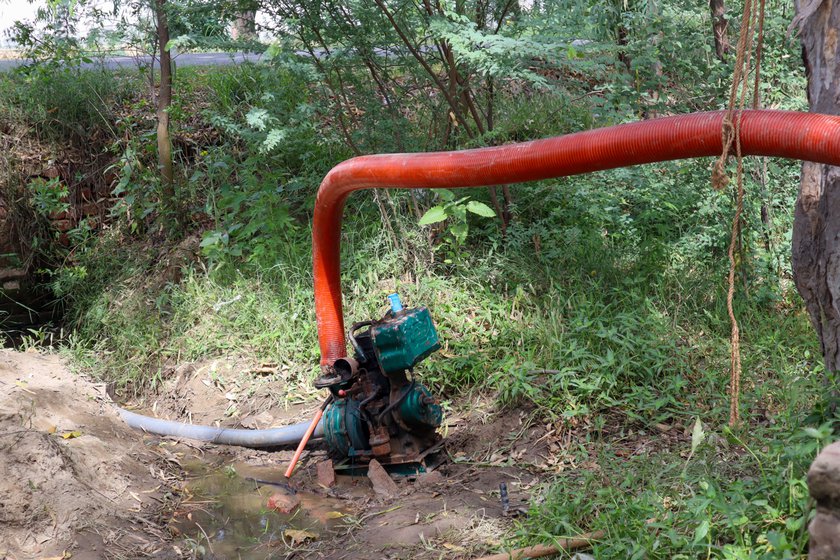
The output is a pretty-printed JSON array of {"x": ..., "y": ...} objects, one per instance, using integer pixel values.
[{"x": 751, "y": 21}]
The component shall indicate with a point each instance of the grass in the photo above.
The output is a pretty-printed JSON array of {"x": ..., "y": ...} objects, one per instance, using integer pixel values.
[
  {"x": 576, "y": 336},
  {"x": 741, "y": 495}
]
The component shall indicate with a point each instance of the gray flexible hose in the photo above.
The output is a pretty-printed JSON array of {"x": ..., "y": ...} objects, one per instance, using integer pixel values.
[{"x": 287, "y": 435}]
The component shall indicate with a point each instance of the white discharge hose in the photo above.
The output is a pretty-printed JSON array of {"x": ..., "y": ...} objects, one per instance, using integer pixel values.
[{"x": 287, "y": 435}]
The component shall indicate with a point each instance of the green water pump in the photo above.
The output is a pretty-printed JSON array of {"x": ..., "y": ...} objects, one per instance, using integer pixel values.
[{"x": 380, "y": 410}]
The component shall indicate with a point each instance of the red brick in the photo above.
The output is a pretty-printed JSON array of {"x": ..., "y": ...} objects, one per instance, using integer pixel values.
[
  {"x": 11, "y": 273},
  {"x": 284, "y": 503},
  {"x": 63, "y": 225},
  {"x": 89, "y": 209},
  {"x": 382, "y": 482},
  {"x": 326, "y": 474}
]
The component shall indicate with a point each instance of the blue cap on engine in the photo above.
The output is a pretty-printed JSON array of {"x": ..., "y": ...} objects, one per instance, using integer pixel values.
[{"x": 396, "y": 304}]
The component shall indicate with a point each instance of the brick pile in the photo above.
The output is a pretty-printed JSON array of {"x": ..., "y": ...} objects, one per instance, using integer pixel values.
[
  {"x": 12, "y": 275},
  {"x": 17, "y": 297}
]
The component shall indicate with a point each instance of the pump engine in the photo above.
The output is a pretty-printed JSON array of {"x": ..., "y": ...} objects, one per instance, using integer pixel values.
[{"x": 380, "y": 410}]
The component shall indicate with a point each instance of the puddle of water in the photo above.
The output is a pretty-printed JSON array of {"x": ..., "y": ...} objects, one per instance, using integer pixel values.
[{"x": 226, "y": 513}]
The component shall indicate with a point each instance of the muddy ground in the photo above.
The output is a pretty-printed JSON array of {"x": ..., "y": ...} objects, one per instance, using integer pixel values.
[{"x": 77, "y": 483}]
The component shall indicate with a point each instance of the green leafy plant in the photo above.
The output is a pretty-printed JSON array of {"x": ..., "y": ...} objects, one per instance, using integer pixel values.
[
  {"x": 49, "y": 196},
  {"x": 454, "y": 211}
]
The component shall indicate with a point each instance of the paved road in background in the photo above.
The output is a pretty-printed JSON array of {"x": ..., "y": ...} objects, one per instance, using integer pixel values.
[{"x": 186, "y": 59}]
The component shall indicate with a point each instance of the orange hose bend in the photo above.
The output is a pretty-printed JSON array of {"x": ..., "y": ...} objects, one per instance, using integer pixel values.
[{"x": 804, "y": 136}]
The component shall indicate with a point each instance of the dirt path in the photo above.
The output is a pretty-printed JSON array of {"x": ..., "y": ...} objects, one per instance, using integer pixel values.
[
  {"x": 75, "y": 482},
  {"x": 73, "y": 479}
]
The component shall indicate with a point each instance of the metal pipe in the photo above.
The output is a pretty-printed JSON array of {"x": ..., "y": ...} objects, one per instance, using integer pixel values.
[{"x": 805, "y": 136}]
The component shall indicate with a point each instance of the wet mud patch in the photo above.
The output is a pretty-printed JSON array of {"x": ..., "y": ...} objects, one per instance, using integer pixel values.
[
  {"x": 74, "y": 480},
  {"x": 454, "y": 511},
  {"x": 251, "y": 512}
]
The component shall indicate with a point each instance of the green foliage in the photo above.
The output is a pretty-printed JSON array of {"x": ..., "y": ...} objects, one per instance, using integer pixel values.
[
  {"x": 51, "y": 39},
  {"x": 280, "y": 154},
  {"x": 49, "y": 196},
  {"x": 653, "y": 510},
  {"x": 63, "y": 103},
  {"x": 54, "y": 117},
  {"x": 198, "y": 20},
  {"x": 456, "y": 212},
  {"x": 494, "y": 54},
  {"x": 135, "y": 184}
]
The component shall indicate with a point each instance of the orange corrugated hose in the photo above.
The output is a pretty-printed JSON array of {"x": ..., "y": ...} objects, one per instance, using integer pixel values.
[{"x": 805, "y": 136}]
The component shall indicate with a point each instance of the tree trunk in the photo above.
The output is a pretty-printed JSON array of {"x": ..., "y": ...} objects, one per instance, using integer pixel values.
[
  {"x": 816, "y": 226},
  {"x": 245, "y": 26},
  {"x": 720, "y": 28},
  {"x": 622, "y": 40},
  {"x": 164, "y": 142},
  {"x": 651, "y": 112}
]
